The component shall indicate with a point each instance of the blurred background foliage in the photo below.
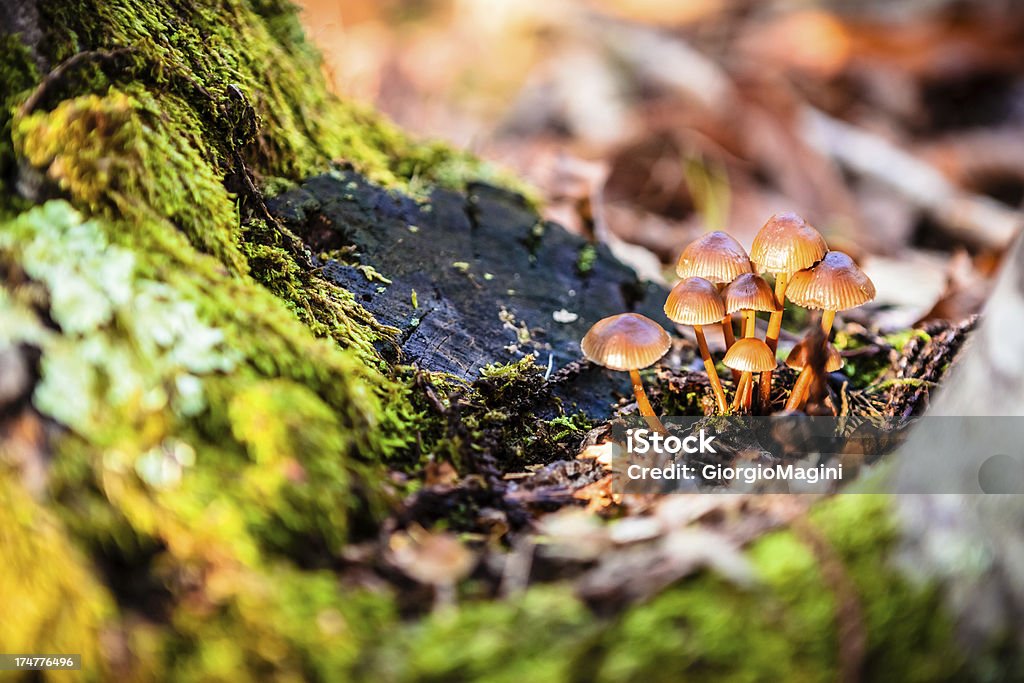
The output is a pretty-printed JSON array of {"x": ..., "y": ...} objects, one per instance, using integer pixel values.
[{"x": 894, "y": 127}]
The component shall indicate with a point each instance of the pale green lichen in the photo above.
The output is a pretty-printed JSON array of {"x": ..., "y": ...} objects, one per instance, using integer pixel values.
[
  {"x": 88, "y": 377},
  {"x": 178, "y": 434}
]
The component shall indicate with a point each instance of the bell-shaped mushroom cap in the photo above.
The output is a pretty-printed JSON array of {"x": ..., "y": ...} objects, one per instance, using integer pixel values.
[
  {"x": 749, "y": 292},
  {"x": 786, "y": 244},
  {"x": 797, "y": 358},
  {"x": 429, "y": 557},
  {"x": 628, "y": 341},
  {"x": 749, "y": 355},
  {"x": 716, "y": 257},
  {"x": 835, "y": 284},
  {"x": 695, "y": 301}
]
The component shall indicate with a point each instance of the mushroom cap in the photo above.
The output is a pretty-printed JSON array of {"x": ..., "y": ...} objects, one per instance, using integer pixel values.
[
  {"x": 627, "y": 341},
  {"x": 695, "y": 301},
  {"x": 429, "y": 557},
  {"x": 750, "y": 355},
  {"x": 786, "y": 244},
  {"x": 716, "y": 257},
  {"x": 749, "y": 292},
  {"x": 835, "y": 284},
  {"x": 797, "y": 358}
]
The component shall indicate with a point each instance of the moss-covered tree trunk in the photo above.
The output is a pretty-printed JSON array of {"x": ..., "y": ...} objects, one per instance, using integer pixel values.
[{"x": 195, "y": 423}]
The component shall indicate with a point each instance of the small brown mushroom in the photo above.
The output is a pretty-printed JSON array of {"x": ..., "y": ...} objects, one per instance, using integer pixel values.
[
  {"x": 783, "y": 246},
  {"x": 800, "y": 359},
  {"x": 835, "y": 284},
  {"x": 695, "y": 301},
  {"x": 748, "y": 294},
  {"x": 748, "y": 355},
  {"x": 437, "y": 559},
  {"x": 718, "y": 258},
  {"x": 629, "y": 342}
]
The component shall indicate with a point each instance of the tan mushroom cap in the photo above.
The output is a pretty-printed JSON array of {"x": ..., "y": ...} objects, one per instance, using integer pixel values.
[
  {"x": 716, "y": 257},
  {"x": 835, "y": 284},
  {"x": 749, "y": 292},
  {"x": 750, "y": 355},
  {"x": 627, "y": 341},
  {"x": 786, "y": 244},
  {"x": 695, "y": 301},
  {"x": 797, "y": 358}
]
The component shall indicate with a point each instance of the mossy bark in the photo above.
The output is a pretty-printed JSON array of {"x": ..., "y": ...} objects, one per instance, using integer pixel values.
[{"x": 205, "y": 422}]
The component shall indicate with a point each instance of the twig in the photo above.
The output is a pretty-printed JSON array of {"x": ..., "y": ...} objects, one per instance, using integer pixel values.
[
  {"x": 292, "y": 241},
  {"x": 57, "y": 73},
  {"x": 970, "y": 217}
]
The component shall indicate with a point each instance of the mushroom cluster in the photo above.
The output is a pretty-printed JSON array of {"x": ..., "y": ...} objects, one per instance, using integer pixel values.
[{"x": 718, "y": 280}]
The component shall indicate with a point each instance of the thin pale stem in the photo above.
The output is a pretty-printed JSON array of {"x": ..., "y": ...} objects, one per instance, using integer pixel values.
[
  {"x": 727, "y": 331},
  {"x": 643, "y": 405},
  {"x": 775, "y": 322},
  {"x": 827, "y": 318},
  {"x": 444, "y": 596},
  {"x": 749, "y": 324},
  {"x": 709, "y": 366},
  {"x": 741, "y": 391},
  {"x": 730, "y": 339},
  {"x": 800, "y": 389},
  {"x": 772, "y": 336}
]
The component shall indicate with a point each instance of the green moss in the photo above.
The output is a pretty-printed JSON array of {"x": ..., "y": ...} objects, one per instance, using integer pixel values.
[
  {"x": 137, "y": 157},
  {"x": 146, "y": 317},
  {"x": 500, "y": 416},
  {"x": 281, "y": 624},
  {"x": 779, "y": 629},
  {"x": 861, "y": 369},
  {"x": 909, "y": 634},
  {"x": 585, "y": 259},
  {"x": 542, "y": 636},
  {"x": 899, "y": 339},
  {"x": 18, "y": 74},
  {"x": 52, "y": 603},
  {"x": 327, "y": 310},
  {"x": 209, "y": 54},
  {"x": 201, "y": 417},
  {"x": 783, "y": 627}
]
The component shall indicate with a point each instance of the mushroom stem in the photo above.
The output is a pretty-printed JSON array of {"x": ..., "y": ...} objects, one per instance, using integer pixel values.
[
  {"x": 741, "y": 391},
  {"x": 727, "y": 331},
  {"x": 444, "y": 596},
  {"x": 827, "y": 318},
  {"x": 775, "y": 322},
  {"x": 748, "y": 395},
  {"x": 730, "y": 339},
  {"x": 799, "y": 394},
  {"x": 643, "y": 405},
  {"x": 772, "y": 336},
  {"x": 709, "y": 366},
  {"x": 749, "y": 323}
]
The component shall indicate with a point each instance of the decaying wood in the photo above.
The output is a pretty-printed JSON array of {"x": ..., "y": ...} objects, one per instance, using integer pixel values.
[{"x": 472, "y": 279}]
